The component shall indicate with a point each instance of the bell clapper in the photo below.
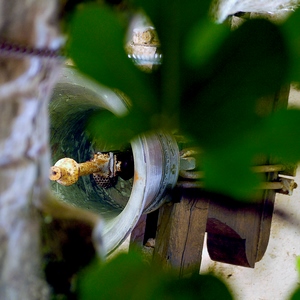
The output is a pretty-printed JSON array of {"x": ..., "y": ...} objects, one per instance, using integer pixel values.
[{"x": 67, "y": 171}]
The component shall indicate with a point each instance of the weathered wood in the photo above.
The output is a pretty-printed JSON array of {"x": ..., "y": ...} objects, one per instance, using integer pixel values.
[
  {"x": 234, "y": 230},
  {"x": 238, "y": 233},
  {"x": 180, "y": 233}
]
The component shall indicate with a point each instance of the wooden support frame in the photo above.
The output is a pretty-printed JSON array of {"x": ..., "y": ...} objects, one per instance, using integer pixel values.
[
  {"x": 180, "y": 233},
  {"x": 237, "y": 233}
]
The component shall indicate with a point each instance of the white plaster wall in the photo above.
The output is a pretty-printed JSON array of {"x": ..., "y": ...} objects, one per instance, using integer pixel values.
[{"x": 275, "y": 276}]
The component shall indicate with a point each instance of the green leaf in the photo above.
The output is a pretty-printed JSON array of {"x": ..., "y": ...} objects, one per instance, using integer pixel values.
[
  {"x": 172, "y": 20},
  {"x": 204, "y": 287},
  {"x": 228, "y": 171},
  {"x": 174, "y": 16},
  {"x": 298, "y": 265},
  {"x": 221, "y": 110},
  {"x": 251, "y": 63},
  {"x": 97, "y": 48},
  {"x": 296, "y": 295},
  {"x": 128, "y": 277},
  {"x": 280, "y": 135},
  {"x": 292, "y": 36},
  {"x": 104, "y": 127},
  {"x": 118, "y": 279},
  {"x": 203, "y": 42}
]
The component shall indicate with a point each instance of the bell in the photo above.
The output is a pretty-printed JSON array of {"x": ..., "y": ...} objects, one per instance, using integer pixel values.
[{"x": 121, "y": 184}]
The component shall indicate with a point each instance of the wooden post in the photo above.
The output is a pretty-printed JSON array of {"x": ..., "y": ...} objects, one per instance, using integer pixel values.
[{"x": 180, "y": 233}]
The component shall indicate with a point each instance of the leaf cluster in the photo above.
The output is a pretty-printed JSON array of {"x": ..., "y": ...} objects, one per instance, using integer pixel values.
[
  {"x": 213, "y": 86},
  {"x": 209, "y": 87},
  {"x": 128, "y": 277}
]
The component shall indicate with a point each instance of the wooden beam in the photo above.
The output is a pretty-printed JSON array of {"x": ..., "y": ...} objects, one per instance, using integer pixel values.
[{"x": 180, "y": 233}]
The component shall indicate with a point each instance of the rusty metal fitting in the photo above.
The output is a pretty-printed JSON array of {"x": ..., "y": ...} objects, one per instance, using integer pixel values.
[
  {"x": 143, "y": 49},
  {"x": 67, "y": 171},
  {"x": 145, "y": 36}
]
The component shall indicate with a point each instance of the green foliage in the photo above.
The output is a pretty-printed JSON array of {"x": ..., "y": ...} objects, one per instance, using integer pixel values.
[
  {"x": 296, "y": 294},
  {"x": 292, "y": 39},
  {"x": 209, "y": 86},
  {"x": 203, "y": 41},
  {"x": 97, "y": 47},
  {"x": 128, "y": 277},
  {"x": 224, "y": 104},
  {"x": 280, "y": 135}
]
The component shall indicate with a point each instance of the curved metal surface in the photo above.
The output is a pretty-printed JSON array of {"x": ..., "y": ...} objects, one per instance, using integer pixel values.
[{"x": 156, "y": 158}]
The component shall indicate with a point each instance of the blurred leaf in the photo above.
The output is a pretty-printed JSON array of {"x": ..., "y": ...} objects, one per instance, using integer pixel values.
[
  {"x": 298, "y": 265},
  {"x": 172, "y": 20},
  {"x": 128, "y": 277},
  {"x": 97, "y": 48},
  {"x": 118, "y": 279},
  {"x": 250, "y": 64},
  {"x": 296, "y": 295},
  {"x": 281, "y": 135},
  {"x": 228, "y": 171},
  {"x": 203, "y": 41},
  {"x": 105, "y": 127},
  {"x": 210, "y": 78},
  {"x": 206, "y": 287},
  {"x": 291, "y": 34},
  {"x": 221, "y": 110},
  {"x": 174, "y": 16}
]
